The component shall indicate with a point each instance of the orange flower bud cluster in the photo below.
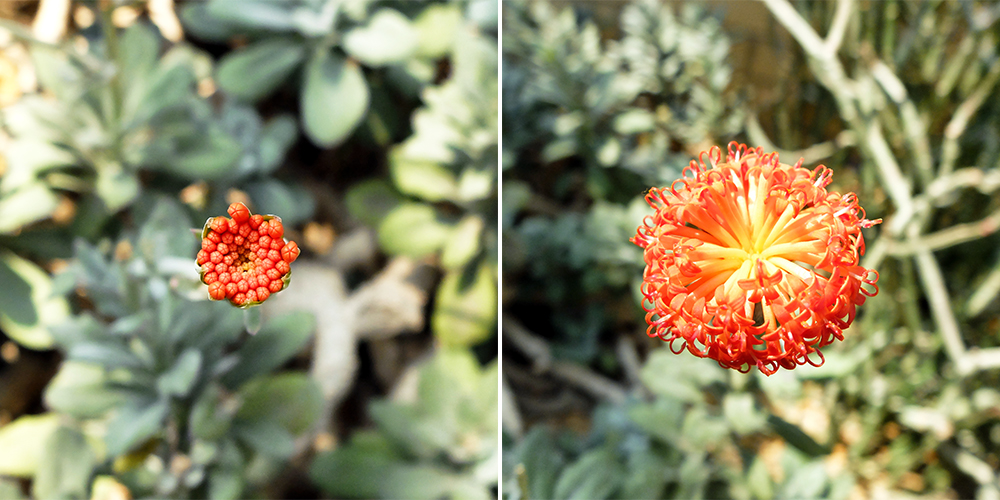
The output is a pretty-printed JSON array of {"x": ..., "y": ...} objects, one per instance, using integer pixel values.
[{"x": 245, "y": 259}]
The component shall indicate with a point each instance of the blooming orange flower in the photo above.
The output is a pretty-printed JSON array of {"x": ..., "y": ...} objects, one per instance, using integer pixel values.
[
  {"x": 245, "y": 259},
  {"x": 751, "y": 262}
]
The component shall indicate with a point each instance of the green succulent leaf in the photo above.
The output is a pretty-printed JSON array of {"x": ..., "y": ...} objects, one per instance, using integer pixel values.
[
  {"x": 291, "y": 400},
  {"x": 334, "y": 99},
  {"x": 427, "y": 180},
  {"x": 180, "y": 378},
  {"x": 388, "y": 38},
  {"x": 134, "y": 424},
  {"x": 465, "y": 307},
  {"x": 436, "y": 26},
  {"x": 79, "y": 389},
  {"x": 30, "y": 203},
  {"x": 208, "y": 156},
  {"x": 597, "y": 474},
  {"x": 116, "y": 188},
  {"x": 22, "y": 441},
  {"x": 65, "y": 465},
  {"x": 679, "y": 377},
  {"x": 254, "y": 14},
  {"x": 413, "y": 229},
  {"x": 169, "y": 87},
  {"x": 357, "y": 469},
  {"x": 277, "y": 342},
  {"x": 464, "y": 244},
  {"x": 256, "y": 71},
  {"x": 28, "y": 158},
  {"x": 137, "y": 59},
  {"x": 57, "y": 73},
  {"x": 165, "y": 231},
  {"x": 27, "y": 306},
  {"x": 796, "y": 437},
  {"x": 267, "y": 437}
]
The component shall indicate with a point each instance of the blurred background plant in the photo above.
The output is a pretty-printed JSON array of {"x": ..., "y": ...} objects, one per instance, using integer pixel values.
[
  {"x": 370, "y": 127},
  {"x": 603, "y": 100}
]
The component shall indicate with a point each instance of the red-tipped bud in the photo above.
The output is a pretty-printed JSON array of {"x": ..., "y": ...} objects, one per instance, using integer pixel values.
[
  {"x": 220, "y": 224},
  {"x": 290, "y": 252},
  {"x": 217, "y": 291},
  {"x": 275, "y": 229},
  {"x": 239, "y": 212}
]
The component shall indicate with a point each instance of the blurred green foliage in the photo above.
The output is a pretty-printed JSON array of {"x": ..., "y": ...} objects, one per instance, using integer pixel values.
[
  {"x": 131, "y": 140},
  {"x": 446, "y": 173},
  {"x": 604, "y": 119},
  {"x": 602, "y": 101},
  {"x": 438, "y": 442},
  {"x": 104, "y": 126},
  {"x": 310, "y": 39}
]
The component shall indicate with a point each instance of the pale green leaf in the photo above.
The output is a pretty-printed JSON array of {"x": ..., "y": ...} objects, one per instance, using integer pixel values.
[
  {"x": 78, "y": 389},
  {"x": 413, "y": 229},
  {"x": 465, "y": 308},
  {"x": 116, "y": 188},
  {"x": 388, "y": 38},
  {"x": 436, "y": 27},
  {"x": 428, "y": 482},
  {"x": 426, "y": 180},
  {"x": 256, "y": 71},
  {"x": 743, "y": 417},
  {"x": 334, "y": 99},
  {"x": 634, "y": 121},
  {"x": 27, "y": 306},
  {"x": 464, "y": 243},
  {"x": 27, "y": 158},
  {"x": 22, "y": 443},
  {"x": 476, "y": 184},
  {"x": 65, "y": 466},
  {"x": 679, "y": 376},
  {"x": 253, "y": 14},
  {"x": 24, "y": 206}
]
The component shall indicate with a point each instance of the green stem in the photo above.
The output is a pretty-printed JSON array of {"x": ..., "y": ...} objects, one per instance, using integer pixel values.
[
  {"x": 252, "y": 320},
  {"x": 111, "y": 44}
]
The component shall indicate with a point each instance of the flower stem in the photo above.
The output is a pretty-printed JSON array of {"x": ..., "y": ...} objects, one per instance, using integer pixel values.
[{"x": 252, "y": 320}]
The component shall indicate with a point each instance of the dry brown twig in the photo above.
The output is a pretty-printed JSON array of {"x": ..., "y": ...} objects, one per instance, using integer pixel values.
[{"x": 581, "y": 377}]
